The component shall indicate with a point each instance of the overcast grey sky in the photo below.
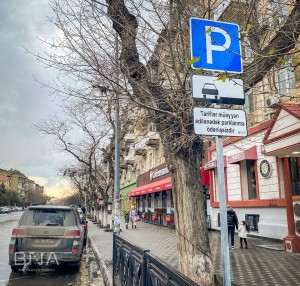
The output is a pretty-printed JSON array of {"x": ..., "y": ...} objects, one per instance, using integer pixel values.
[{"x": 23, "y": 101}]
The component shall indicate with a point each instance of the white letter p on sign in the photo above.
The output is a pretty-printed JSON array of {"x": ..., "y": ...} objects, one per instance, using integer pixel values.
[{"x": 213, "y": 47}]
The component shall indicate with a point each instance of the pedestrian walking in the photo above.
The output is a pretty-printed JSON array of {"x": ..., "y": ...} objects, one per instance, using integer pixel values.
[
  {"x": 232, "y": 222},
  {"x": 126, "y": 216},
  {"x": 243, "y": 229},
  {"x": 132, "y": 217}
]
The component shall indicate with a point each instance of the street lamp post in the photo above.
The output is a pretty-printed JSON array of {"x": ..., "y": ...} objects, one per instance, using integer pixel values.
[
  {"x": 117, "y": 167},
  {"x": 116, "y": 199},
  {"x": 117, "y": 150}
]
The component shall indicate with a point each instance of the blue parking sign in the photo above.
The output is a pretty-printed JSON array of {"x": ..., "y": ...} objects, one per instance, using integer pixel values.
[{"x": 217, "y": 45}]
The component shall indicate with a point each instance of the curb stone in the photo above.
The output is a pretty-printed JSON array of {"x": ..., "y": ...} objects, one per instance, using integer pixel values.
[{"x": 103, "y": 268}]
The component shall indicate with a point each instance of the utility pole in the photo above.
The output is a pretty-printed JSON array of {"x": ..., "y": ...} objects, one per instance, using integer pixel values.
[{"x": 117, "y": 150}]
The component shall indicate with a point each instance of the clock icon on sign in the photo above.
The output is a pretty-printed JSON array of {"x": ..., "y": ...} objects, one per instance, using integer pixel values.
[{"x": 265, "y": 168}]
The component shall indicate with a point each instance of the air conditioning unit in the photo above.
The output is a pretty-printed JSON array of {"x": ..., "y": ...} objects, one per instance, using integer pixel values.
[
  {"x": 296, "y": 208},
  {"x": 272, "y": 101}
]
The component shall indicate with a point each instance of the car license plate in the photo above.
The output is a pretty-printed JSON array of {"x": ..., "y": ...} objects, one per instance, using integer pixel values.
[{"x": 44, "y": 241}]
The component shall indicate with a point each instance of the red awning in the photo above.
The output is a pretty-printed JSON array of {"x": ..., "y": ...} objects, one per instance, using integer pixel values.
[
  {"x": 249, "y": 154},
  {"x": 213, "y": 164},
  {"x": 204, "y": 176},
  {"x": 158, "y": 186}
]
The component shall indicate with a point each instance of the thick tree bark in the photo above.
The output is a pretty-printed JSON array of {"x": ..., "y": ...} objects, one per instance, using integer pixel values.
[
  {"x": 184, "y": 161},
  {"x": 192, "y": 238}
]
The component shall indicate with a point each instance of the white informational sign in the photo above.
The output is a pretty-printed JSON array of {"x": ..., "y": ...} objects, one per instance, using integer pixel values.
[
  {"x": 220, "y": 122},
  {"x": 210, "y": 89},
  {"x": 216, "y": 44}
]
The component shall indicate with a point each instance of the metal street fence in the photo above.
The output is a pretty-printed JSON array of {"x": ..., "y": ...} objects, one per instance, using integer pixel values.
[{"x": 134, "y": 266}]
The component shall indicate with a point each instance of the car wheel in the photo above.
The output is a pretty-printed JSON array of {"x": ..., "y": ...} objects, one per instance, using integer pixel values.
[{"x": 15, "y": 268}]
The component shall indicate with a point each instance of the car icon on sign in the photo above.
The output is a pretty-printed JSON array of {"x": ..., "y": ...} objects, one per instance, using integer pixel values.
[{"x": 209, "y": 89}]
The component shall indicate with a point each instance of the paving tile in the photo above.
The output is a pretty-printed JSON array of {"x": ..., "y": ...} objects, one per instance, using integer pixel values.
[{"x": 253, "y": 266}]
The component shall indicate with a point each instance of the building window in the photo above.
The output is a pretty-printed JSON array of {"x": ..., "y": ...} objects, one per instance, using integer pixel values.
[
  {"x": 277, "y": 12},
  {"x": 152, "y": 127},
  {"x": 252, "y": 220},
  {"x": 294, "y": 163},
  {"x": 249, "y": 106},
  {"x": 149, "y": 201},
  {"x": 156, "y": 198},
  {"x": 251, "y": 178},
  {"x": 155, "y": 71},
  {"x": 286, "y": 80},
  {"x": 164, "y": 201},
  {"x": 219, "y": 220},
  {"x": 144, "y": 203}
]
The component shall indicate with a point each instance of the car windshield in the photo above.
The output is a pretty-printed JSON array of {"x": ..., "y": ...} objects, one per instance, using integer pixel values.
[{"x": 48, "y": 217}]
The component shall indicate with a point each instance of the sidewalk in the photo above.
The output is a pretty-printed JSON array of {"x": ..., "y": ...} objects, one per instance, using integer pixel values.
[{"x": 254, "y": 266}]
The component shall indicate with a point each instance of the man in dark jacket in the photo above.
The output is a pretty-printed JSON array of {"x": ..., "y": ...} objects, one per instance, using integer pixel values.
[{"x": 232, "y": 223}]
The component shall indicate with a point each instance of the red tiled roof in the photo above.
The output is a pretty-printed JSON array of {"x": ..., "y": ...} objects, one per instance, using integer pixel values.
[
  {"x": 251, "y": 130},
  {"x": 294, "y": 109}
]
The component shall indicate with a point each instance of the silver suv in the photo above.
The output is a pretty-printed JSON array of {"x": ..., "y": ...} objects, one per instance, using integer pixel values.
[{"x": 47, "y": 235}]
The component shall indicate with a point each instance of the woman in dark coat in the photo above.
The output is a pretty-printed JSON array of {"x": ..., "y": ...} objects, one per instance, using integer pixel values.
[{"x": 126, "y": 216}]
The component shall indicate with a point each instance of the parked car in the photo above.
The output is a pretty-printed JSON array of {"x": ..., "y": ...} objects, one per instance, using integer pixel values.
[
  {"x": 47, "y": 235},
  {"x": 80, "y": 213},
  {"x": 5, "y": 210},
  {"x": 84, "y": 223}
]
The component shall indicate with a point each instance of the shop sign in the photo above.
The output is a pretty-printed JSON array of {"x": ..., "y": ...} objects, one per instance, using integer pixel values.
[
  {"x": 158, "y": 173},
  {"x": 236, "y": 157}
]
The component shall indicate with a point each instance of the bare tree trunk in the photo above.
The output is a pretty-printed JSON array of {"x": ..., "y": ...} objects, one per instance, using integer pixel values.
[
  {"x": 95, "y": 211},
  {"x": 190, "y": 221},
  {"x": 182, "y": 156},
  {"x": 104, "y": 217},
  {"x": 112, "y": 218}
]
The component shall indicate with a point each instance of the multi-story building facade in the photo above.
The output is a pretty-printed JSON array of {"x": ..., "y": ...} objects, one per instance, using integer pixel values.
[
  {"x": 5, "y": 180},
  {"x": 262, "y": 170},
  {"x": 145, "y": 180},
  {"x": 16, "y": 181}
]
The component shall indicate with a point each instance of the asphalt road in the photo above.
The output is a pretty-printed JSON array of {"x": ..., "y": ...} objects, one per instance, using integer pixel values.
[{"x": 86, "y": 276}]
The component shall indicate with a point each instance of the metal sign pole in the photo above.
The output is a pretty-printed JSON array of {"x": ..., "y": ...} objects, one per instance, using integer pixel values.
[
  {"x": 219, "y": 122},
  {"x": 223, "y": 212}
]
